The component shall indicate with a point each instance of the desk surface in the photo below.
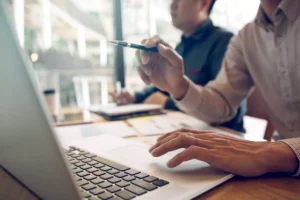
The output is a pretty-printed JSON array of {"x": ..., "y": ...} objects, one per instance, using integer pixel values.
[{"x": 273, "y": 186}]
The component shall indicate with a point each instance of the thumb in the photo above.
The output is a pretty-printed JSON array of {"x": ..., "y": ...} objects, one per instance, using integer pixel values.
[{"x": 169, "y": 54}]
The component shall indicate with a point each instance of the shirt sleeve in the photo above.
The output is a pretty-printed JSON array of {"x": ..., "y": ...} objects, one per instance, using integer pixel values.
[
  {"x": 294, "y": 144},
  {"x": 219, "y": 100}
]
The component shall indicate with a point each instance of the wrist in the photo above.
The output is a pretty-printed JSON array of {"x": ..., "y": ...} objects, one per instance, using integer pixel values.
[
  {"x": 181, "y": 89},
  {"x": 281, "y": 158}
]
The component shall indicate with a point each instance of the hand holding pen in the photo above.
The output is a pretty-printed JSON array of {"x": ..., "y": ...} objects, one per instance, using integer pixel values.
[{"x": 121, "y": 96}]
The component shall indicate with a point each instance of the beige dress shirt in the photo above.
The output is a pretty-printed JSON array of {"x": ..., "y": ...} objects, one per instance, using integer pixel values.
[{"x": 263, "y": 56}]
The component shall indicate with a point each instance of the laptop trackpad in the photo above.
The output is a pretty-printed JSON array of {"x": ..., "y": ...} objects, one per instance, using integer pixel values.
[{"x": 189, "y": 172}]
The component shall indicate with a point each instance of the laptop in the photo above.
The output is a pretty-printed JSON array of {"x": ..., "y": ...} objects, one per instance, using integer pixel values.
[
  {"x": 123, "y": 112},
  {"x": 101, "y": 167}
]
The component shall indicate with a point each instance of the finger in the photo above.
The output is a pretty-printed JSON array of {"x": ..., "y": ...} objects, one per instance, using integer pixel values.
[
  {"x": 191, "y": 153},
  {"x": 173, "y": 144},
  {"x": 165, "y": 140},
  {"x": 170, "y": 133},
  {"x": 169, "y": 54},
  {"x": 182, "y": 141},
  {"x": 212, "y": 135},
  {"x": 138, "y": 56},
  {"x": 144, "y": 76},
  {"x": 176, "y": 134},
  {"x": 154, "y": 41},
  {"x": 113, "y": 95}
]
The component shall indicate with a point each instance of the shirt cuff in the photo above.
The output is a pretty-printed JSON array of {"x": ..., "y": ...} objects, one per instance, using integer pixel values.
[
  {"x": 190, "y": 101},
  {"x": 294, "y": 143}
]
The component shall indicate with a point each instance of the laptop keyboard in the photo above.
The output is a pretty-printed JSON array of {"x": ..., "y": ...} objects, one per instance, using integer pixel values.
[{"x": 99, "y": 178}]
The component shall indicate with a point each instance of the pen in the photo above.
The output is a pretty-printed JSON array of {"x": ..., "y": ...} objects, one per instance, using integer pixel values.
[
  {"x": 118, "y": 91},
  {"x": 135, "y": 46},
  {"x": 118, "y": 87}
]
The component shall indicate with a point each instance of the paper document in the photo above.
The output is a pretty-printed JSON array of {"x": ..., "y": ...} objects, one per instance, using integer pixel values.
[
  {"x": 71, "y": 133},
  {"x": 170, "y": 122},
  {"x": 166, "y": 123}
]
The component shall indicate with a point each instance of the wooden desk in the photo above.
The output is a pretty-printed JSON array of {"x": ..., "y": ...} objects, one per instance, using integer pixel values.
[{"x": 275, "y": 186}]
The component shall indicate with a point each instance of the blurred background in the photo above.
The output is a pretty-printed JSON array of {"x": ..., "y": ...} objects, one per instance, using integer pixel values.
[{"x": 66, "y": 41}]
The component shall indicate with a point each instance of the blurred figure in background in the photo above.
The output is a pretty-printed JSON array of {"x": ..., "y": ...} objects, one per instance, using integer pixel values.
[{"x": 202, "y": 48}]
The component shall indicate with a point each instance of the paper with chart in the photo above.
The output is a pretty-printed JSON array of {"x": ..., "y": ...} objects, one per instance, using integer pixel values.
[{"x": 166, "y": 123}]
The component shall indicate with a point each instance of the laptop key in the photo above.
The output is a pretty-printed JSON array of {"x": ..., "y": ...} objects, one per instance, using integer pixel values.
[
  {"x": 160, "y": 182},
  {"x": 135, "y": 189},
  {"x": 80, "y": 158},
  {"x": 77, "y": 170},
  {"x": 105, "y": 168},
  {"x": 125, "y": 195},
  {"x": 112, "y": 171},
  {"x": 85, "y": 167},
  {"x": 111, "y": 163},
  {"x": 93, "y": 198},
  {"x": 97, "y": 181},
  {"x": 75, "y": 155},
  {"x": 129, "y": 178},
  {"x": 106, "y": 195},
  {"x": 132, "y": 172},
  {"x": 92, "y": 162},
  {"x": 99, "y": 165},
  {"x": 106, "y": 176},
  {"x": 105, "y": 185},
  {"x": 86, "y": 160},
  {"x": 97, "y": 191},
  {"x": 98, "y": 173},
  {"x": 122, "y": 184},
  {"x": 82, "y": 182},
  {"x": 79, "y": 164},
  {"x": 115, "y": 198},
  {"x": 120, "y": 175},
  {"x": 77, "y": 178},
  {"x": 90, "y": 155},
  {"x": 113, "y": 189},
  {"x": 114, "y": 180},
  {"x": 150, "y": 179},
  {"x": 141, "y": 175},
  {"x": 89, "y": 187},
  {"x": 73, "y": 167},
  {"x": 85, "y": 195},
  {"x": 74, "y": 161},
  {"x": 91, "y": 170},
  {"x": 90, "y": 177},
  {"x": 84, "y": 173},
  {"x": 144, "y": 184}
]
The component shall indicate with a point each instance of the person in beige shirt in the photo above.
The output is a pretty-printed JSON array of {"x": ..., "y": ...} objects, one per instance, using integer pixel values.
[{"x": 264, "y": 55}]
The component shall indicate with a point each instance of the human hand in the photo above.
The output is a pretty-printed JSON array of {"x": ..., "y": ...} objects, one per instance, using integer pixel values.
[
  {"x": 123, "y": 98},
  {"x": 240, "y": 157},
  {"x": 164, "y": 69}
]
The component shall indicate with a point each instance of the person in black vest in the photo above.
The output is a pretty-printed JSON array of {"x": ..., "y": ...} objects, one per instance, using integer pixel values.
[{"x": 202, "y": 48}]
